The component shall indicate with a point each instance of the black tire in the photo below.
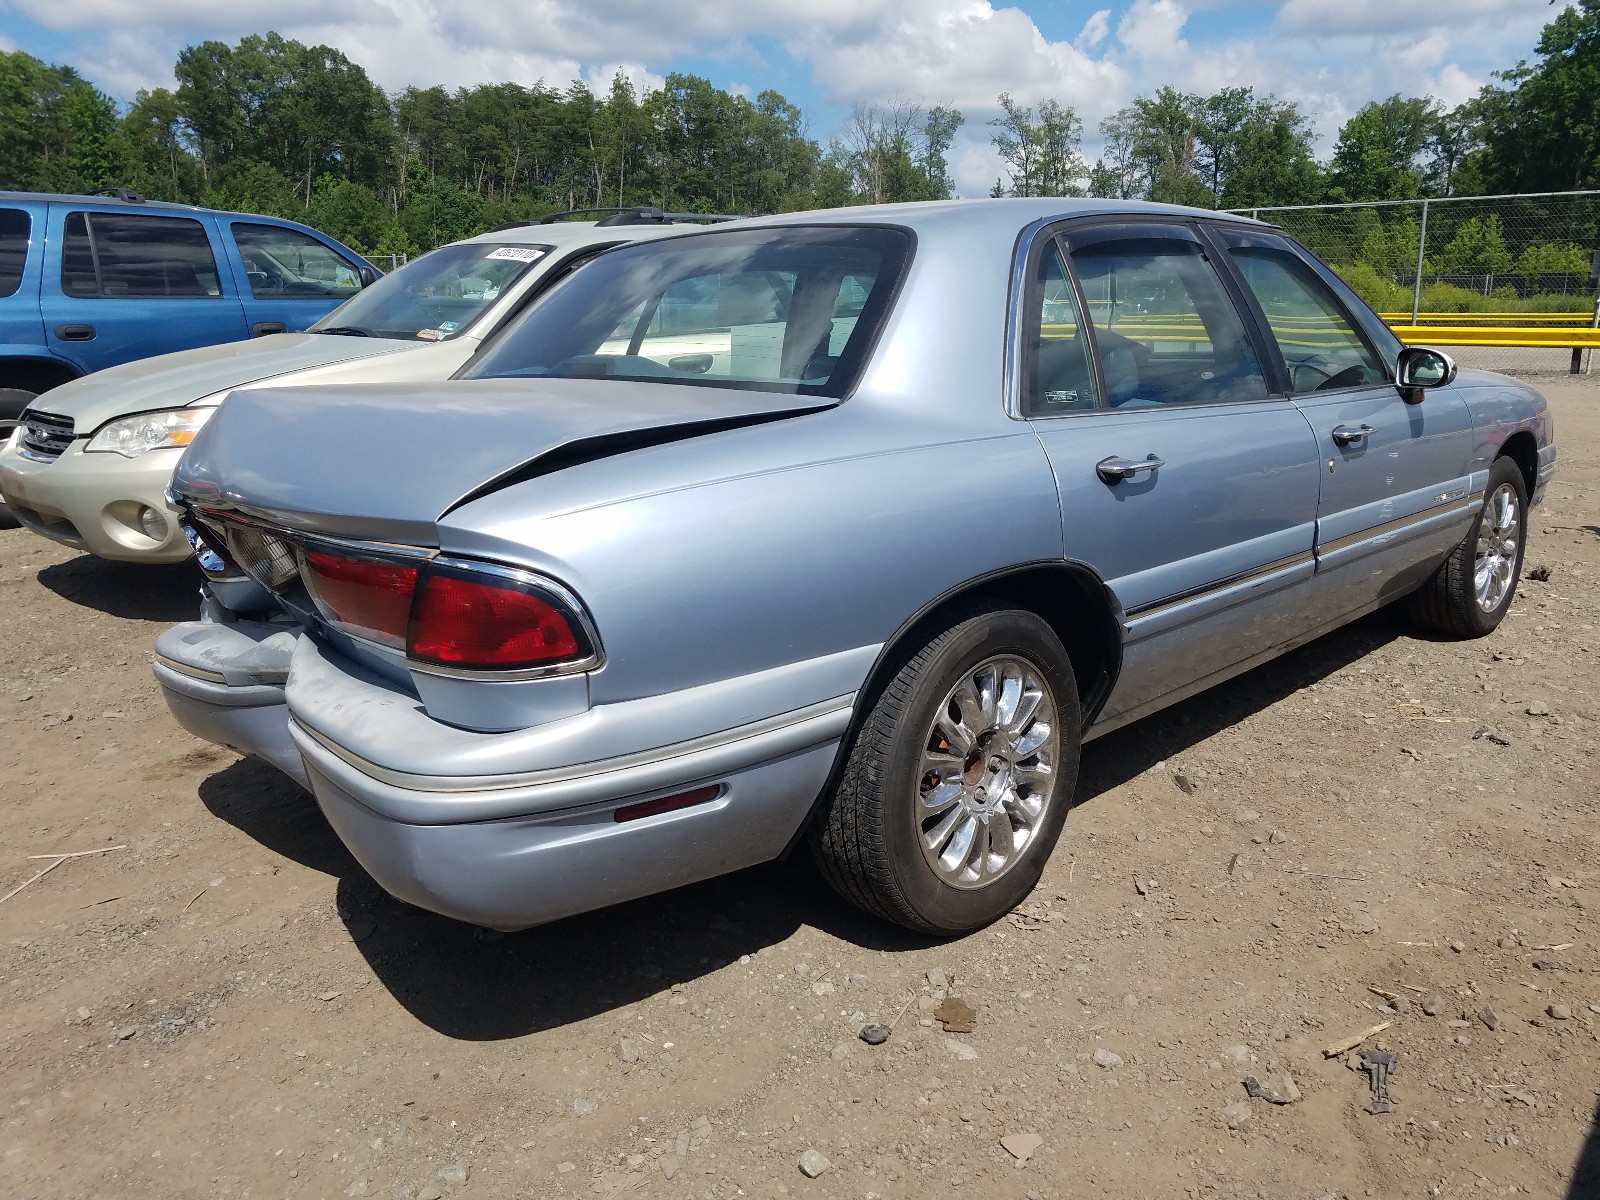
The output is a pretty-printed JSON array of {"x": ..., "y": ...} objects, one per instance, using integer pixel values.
[
  {"x": 12, "y": 402},
  {"x": 1448, "y": 602},
  {"x": 866, "y": 838}
]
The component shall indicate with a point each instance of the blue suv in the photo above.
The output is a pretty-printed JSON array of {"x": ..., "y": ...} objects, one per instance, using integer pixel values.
[{"x": 92, "y": 281}]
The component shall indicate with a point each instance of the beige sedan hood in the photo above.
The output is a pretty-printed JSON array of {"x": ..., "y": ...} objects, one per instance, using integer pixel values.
[{"x": 177, "y": 380}]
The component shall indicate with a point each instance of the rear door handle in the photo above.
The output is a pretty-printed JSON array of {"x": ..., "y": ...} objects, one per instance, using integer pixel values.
[
  {"x": 1115, "y": 470},
  {"x": 75, "y": 333},
  {"x": 262, "y": 328},
  {"x": 1349, "y": 435}
]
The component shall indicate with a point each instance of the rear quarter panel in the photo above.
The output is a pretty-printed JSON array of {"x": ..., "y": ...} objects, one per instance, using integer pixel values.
[{"x": 776, "y": 544}]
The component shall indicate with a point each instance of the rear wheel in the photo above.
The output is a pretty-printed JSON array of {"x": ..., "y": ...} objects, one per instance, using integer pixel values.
[
  {"x": 1472, "y": 590},
  {"x": 960, "y": 777}
]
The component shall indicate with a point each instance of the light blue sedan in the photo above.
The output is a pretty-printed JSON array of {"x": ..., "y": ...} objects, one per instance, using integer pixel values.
[{"x": 845, "y": 527}]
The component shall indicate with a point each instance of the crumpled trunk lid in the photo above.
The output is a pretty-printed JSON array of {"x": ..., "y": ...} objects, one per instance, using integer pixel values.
[{"x": 384, "y": 463}]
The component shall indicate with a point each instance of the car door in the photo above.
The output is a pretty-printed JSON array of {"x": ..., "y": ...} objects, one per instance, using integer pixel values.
[
  {"x": 130, "y": 285},
  {"x": 21, "y": 330},
  {"x": 1396, "y": 476},
  {"x": 1184, "y": 483},
  {"x": 288, "y": 279}
]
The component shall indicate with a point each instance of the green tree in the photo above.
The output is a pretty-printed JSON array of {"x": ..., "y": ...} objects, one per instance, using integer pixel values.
[
  {"x": 1376, "y": 156},
  {"x": 1477, "y": 247},
  {"x": 1541, "y": 132},
  {"x": 1554, "y": 258},
  {"x": 1040, "y": 149}
]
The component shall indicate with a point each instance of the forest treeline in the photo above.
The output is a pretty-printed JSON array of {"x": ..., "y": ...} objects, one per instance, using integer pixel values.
[{"x": 271, "y": 125}]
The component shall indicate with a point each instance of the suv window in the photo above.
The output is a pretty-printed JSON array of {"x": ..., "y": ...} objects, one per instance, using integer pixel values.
[
  {"x": 15, "y": 226},
  {"x": 124, "y": 256},
  {"x": 1321, "y": 347},
  {"x": 792, "y": 309},
  {"x": 1166, "y": 329},
  {"x": 1059, "y": 378},
  {"x": 285, "y": 264}
]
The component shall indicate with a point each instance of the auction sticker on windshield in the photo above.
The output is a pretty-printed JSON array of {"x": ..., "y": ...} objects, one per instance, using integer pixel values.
[{"x": 527, "y": 254}]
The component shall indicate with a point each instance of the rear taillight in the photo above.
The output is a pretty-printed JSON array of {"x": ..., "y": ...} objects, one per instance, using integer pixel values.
[
  {"x": 473, "y": 620},
  {"x": 450, "y": 614},
  {"x": 367, "y": 597}
]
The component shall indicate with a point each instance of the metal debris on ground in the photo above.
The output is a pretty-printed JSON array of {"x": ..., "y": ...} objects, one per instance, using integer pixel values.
[
  {"x": 1379, "y": 1065},
  {"x": 1279, "y": 1088}
]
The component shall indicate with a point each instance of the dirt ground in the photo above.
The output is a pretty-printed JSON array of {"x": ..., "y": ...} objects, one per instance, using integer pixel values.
[{"x": 228, "y": 1006}]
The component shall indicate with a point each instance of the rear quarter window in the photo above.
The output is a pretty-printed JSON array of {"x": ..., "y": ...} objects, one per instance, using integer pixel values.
[{"x": 15, "y": 229}]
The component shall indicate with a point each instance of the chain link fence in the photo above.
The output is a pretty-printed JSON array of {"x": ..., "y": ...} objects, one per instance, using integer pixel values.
[
  {"x": 1523, "y": 261},
  {"x": 387, "y": 262}
]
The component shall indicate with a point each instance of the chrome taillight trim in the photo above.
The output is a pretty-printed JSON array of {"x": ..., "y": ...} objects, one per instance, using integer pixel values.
[{"x": 570, "y": 603}]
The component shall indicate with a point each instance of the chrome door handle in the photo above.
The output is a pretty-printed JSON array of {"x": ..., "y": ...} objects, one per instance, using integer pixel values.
[
  {"x": 1115, "y": 470},
  {"x": 1348, "y": 435}
]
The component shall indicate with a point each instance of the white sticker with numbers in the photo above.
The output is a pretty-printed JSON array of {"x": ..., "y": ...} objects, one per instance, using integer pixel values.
[{"x": 527, "y": 254}]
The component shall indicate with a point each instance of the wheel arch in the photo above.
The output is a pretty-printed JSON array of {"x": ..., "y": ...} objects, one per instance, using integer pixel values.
[
  {"x": 36, "y": 374},
  {"x": 1068, "y": 596},
  {"x": 1522, "y": 449}
]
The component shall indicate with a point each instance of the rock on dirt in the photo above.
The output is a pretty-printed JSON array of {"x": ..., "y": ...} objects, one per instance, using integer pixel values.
[
  {"x": 813, "y": 1163},
  {"x": 1105, "y": 1058},
  {"x": 1021, "y": 1146}
]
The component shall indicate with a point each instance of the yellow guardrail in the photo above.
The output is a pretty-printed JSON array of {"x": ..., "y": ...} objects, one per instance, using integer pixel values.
[
  {"x": 1488, "y": 335},
  {"x": 1496, "y": 318},
  {"x": 1566, "y": 336}
]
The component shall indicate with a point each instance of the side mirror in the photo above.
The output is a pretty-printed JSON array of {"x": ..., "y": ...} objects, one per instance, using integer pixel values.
[
  {"x": 1420, "y": 368},
  {"x": 368, "y": 277}
]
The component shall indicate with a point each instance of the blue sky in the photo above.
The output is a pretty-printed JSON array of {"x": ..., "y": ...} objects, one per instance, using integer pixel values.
[{"x": 1330, "y": 56}]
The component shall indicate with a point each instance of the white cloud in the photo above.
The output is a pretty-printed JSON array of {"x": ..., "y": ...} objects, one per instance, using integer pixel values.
[{"x": 1094, "y": 30}]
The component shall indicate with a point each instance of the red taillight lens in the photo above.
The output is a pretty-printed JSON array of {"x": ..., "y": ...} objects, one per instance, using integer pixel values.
[
  {"x": 362, "y": 595},
  {"x": 477, "y": 621}
]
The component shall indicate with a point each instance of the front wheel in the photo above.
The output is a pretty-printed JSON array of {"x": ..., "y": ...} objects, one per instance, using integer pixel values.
[
  {"x": 959, "y": 778},
  {"x": 1472, "y": 590}
]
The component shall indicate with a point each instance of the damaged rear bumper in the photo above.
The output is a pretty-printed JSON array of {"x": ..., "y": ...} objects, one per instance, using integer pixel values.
[{"x": 511, "y": 849}]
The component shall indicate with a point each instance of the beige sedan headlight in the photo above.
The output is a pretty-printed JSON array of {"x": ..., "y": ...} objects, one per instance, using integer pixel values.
[{"x": 133, "y": 436}]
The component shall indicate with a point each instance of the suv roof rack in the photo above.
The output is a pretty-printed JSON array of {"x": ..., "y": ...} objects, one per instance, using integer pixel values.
[
  {"x": 118, "y": 193},
  {"x": 639, "y": 215}
]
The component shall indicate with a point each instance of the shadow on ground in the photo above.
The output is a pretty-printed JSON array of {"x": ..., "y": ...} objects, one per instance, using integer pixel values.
[
  {"x": 475, "y": 985},
  {"x": 135, "y": 591},
  {"x": 1586, "y": 1172}
]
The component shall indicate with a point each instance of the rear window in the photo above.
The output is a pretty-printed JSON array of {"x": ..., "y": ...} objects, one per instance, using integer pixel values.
[
  {"x": 793, "y": 309},
  {"x": 15, "y": 226},
  {"x": 123, "y": 256}
]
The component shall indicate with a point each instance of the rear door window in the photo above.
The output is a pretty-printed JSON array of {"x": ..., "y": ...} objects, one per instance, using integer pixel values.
[
  {"x": 127, "y": 256},
  {"x": 285, "y": 264},
  {"x": 1166, "y": 329},
  {"x": 15, "y": 227}
]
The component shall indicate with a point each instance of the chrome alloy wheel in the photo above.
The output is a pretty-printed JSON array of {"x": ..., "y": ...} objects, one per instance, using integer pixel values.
[
  {"x": 988, "y": 771},
  {"x": 1495, "y": 563}
]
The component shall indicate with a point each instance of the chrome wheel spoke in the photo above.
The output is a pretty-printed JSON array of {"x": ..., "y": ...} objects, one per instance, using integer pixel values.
[
  {"x": 942, "y": 796},
  {"x": 1037, "y": 735},
  {"x": 959, "y": 847},
  {"x": 1026, "y": 709}
]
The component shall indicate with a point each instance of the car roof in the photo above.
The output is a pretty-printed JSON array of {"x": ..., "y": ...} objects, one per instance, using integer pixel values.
[
  {"x": 990, "y": 216},
  {"x": 86, "y": 201},
  {"x": 565, "y": 234}
]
